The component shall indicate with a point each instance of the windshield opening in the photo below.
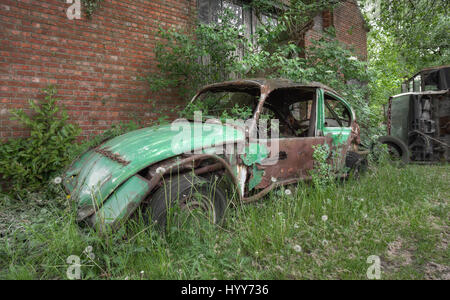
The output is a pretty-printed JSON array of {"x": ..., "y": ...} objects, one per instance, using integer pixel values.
[{"x": 224, "y": 104}]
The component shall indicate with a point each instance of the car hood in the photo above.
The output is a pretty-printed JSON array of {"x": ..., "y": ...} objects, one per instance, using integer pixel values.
[{"x": 97, "y": 173}]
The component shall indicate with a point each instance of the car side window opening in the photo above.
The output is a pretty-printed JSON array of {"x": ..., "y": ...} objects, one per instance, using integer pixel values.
[
  {"x": 295, "y": 109},
  {"x": 336, "y": 113},
  {"x": 301, "y": 111}
]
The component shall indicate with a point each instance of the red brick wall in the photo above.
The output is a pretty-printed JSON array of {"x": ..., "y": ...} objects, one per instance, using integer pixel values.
[
  {"x": 93, "y": 63},
  {"x": 349, "y": 24},
  {"x": 351, "y": 27}
]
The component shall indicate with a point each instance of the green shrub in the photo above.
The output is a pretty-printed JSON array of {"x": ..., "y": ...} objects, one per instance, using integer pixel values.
[
  {"x": 91, "y": 6},
  {"x": 209, "y": 53},
  {"x": 322, "y": 174},
  {"x": 27, "y": 163},
  {"x": 187, "y": 61}
]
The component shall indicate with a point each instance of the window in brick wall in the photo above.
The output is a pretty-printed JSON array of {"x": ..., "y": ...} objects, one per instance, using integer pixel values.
[
  {"x": 323, "y": 21},
  {"x": 269, "y": 20},
  {"x": 327, "y": 19},
  {"x": 209, "y": 12},
  {"x": 318, "y": 23}
]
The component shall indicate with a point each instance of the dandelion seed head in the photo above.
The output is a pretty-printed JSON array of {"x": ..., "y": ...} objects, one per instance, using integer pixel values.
[
  {"x": 160, "y": 170},
  {"x": 324, "y": 218},
  {"x": 57, "y": 180},
  {"x": 297, "y": 248}
]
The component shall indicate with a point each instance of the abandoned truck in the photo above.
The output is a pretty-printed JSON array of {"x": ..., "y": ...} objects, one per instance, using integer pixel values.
[
  {"x": 418, "y": 120},
  {"x": 159, "y": 168}
]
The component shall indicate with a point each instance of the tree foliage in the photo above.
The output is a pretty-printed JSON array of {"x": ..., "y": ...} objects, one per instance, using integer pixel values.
[
  {"x": 421, "y": 28},
  {"x": 222, "y": 51},
  {"x": 189, "y": 60},
  {"x": 405, "y": 37}
]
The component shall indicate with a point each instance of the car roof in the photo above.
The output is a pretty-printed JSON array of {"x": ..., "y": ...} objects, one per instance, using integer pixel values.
[
  {"x": 421, "y": 93},
  {"x": 265, "y": 85},
  {"x": 427, "y": 70}
]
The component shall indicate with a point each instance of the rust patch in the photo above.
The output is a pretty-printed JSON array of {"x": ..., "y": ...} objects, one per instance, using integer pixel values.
[
  {"x": 113, "y": 156},
  {"x": 296, "y": 160}
]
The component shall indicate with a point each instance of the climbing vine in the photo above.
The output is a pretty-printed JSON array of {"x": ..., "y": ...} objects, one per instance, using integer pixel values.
[
  {"x": 221, "y": 51},
  {"x": 90, "y": 6}
]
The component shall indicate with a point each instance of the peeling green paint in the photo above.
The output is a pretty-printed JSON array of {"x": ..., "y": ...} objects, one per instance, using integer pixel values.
[
  {"x": 254, "y": 153},
  {"x": 256, "y": 178},
  {"x": 94, "y": 173}
]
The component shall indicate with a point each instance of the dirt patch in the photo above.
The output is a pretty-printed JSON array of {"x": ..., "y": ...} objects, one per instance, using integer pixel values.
[
  {"x": 435, "y": 271},
  {"x": 398, "y": 254}
]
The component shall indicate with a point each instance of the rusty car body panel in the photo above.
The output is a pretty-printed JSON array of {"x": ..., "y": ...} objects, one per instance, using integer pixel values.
[
  {"x": 418, "y": 119},
  {"x": 111, "y": 181}
]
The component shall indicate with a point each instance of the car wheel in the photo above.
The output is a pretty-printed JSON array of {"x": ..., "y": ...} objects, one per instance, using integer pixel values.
[
  {"x": 398, "y": 151},
  {"x": 187, "y": 200}
]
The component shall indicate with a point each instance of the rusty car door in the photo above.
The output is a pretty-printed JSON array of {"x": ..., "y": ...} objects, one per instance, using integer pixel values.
[{"x": 291, "y": 158}]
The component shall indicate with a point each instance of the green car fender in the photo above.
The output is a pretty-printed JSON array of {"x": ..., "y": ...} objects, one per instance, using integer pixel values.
[
  {"x": 94, "y": 179},
  {"x": 121, "y": 204}
]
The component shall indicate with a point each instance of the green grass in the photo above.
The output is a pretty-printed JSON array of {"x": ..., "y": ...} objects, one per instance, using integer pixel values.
[{"x": 398, "y": 214}]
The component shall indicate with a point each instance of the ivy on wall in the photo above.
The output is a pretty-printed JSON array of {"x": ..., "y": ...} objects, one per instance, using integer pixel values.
[
  {"x": 221, "y": 51},
  {"x": 90, "y": 6}
]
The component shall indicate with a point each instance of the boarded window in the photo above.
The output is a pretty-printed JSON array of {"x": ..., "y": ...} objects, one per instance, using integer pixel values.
[{"x": 210, "y": 10}]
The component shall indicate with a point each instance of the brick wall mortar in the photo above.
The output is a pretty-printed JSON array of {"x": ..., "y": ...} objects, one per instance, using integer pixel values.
[
  {"x": 94, "y": 63},
  {"x": 350, "y": 27}
]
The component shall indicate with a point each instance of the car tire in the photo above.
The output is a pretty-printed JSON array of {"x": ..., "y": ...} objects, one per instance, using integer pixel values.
[
  {"x": 397, "y": 149},
  {"x": 187, "y": 192}
]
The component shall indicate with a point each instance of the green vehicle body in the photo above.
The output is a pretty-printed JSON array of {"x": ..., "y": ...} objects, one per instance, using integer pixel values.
[
  {"x": 108, "y": 183},
  {"x": 418, "y": 119}
]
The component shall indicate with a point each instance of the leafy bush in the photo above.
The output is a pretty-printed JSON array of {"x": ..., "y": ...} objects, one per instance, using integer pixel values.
[
  {"x": 188, "y": 61},
  {"x": 322, "y": 173},
  {"x": 28, "y": 163},
  {"x": 91, "y": 6}
]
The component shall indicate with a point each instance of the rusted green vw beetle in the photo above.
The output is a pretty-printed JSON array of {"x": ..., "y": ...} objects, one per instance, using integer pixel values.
[{"x": 157, "y": 168}]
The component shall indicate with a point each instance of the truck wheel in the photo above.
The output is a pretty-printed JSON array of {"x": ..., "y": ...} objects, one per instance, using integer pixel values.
[
  {"x": 356, "y": 163},
  {"x": 398, "y": 151},
  {"x": 187, "y": 200}
]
